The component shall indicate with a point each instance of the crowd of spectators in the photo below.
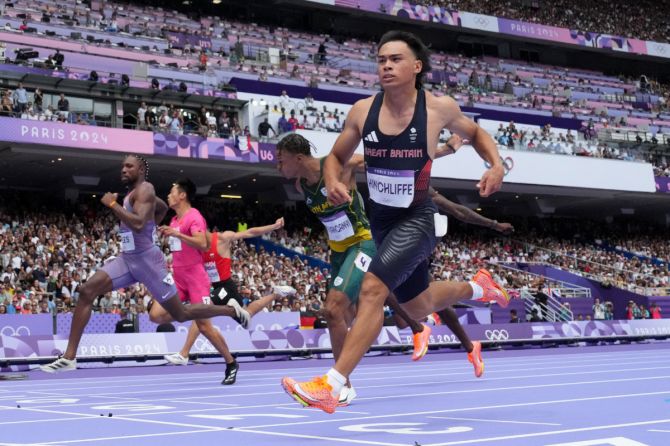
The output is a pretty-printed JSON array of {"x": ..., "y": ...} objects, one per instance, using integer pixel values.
[
  {"x": 484, "y": 82},
  {"x": 661, "y": 165},
  {"x": 30, "y": 105},
  {"x": 618, "y": 17},
  {"x": 579, "y": 247},
  {"x": 291, "y": 115},
  {"x": 168, "y": 118},
  {"x": 45, "y": 255},
  {"x": 288, "y": 41},
  {"x": 564, "y": 142}
]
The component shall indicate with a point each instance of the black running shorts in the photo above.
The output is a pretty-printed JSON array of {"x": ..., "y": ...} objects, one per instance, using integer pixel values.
[
  {"x": 405, "y": 240},
  {"x": 225, "y": 290}
]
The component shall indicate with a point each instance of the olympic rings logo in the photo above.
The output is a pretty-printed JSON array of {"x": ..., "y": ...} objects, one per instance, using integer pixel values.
[
  {"x": 508, "y": 164},
  {"x": 203, "y": 345},
  {"x": 496, "y": 335},
  {"x": 481, "y": 21},
  {"x": 8, "y": 330}
]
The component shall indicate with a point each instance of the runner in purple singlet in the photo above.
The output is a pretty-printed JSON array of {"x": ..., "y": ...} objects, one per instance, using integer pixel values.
[{"x": 140, "y": 261}]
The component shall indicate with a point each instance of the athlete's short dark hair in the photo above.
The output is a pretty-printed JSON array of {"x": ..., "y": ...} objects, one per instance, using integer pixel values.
[
  {"x": 187, "y": 186},
  {"x": 419, "y": 49},
  {"x": 296, "y": 144}
]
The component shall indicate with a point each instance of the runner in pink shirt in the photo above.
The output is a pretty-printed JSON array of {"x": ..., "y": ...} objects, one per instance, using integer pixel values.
[
  {"x": 187, "y": 239},
  {"x": 186, "y": 236}
]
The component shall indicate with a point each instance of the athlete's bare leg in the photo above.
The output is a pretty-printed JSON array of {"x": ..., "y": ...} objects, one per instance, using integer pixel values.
[
  {"x": 214, "y": 336},
  {"x": 99, "y": 284},
  {"x": 258, "y": 305},
  {"x": 450, "y": 319},
  {"x": 401, "y": 317}
]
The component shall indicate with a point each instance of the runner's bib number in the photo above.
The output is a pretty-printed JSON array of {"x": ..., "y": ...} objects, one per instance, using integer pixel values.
[
  {"x": 127, "y": 241},
  {"x": 393, "y": 188},
  {"x": 339, "y": 226},
  {"x": 212, "y": 272},
  {"x": 175, "y": 244}
]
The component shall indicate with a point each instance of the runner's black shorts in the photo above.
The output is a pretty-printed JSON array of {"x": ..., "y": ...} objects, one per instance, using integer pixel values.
[
  {"x": 405, "y": 239},
  {"x": 225, "y": 290}
]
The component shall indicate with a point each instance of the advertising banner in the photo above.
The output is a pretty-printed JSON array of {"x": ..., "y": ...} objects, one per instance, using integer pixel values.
[
  {"x": 180, "y": 40},
  {"x": 75, "y": 136},
  {"x": 534, "y": 30},
  {"x": 60, "y": 134},
  {"x": 658, "y": 49},
  {"x": 26, "y": 325},
  {"x": 479, "y": 21}
]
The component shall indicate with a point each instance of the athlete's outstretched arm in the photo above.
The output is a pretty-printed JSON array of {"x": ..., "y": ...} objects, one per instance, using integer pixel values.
[
  {"x": 467, "y": 215},
  {"x": 338, "y": 192},
  {"x": 254, "y": 232},
  {"x": 457, "y": 122},
  {"x": 144, "y": 206}
]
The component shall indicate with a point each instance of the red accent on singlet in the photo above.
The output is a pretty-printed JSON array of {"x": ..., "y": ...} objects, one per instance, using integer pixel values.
[{"x": 212, "y": 255}]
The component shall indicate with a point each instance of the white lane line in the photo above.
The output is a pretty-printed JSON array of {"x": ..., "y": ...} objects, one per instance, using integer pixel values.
[
  {"x": 659, "y": 430},
  {"x": 353, "y": 411},
  {"x": 227, "y": 405},
  {"x": 279, "y": 392},
  {"x": 385, "y": 376},
  {"x": 426, "y": 394},
  {"x": 394, "y": 396},
  {"x": 39, "y": 392},
  {"x": 316, "y": 437},
  {"x": 480, "y": 440},
  {"x": 46, "y": 420},
  {"x": 556, "y": 432},
  {"x": 488, "y": 420},
  {"x": 559, "y": 360},
  {"x": 123, "y": 398},
  {"x": 124, "y": 437},
  {"x": 467, "y": 409},
  {"x": 338, "y": 411},
  {"x": 85, "y": 416},
  {"x": 497, "y": 389}
]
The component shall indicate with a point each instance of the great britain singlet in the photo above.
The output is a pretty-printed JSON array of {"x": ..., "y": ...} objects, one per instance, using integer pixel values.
[{"x": 398, "y": 167}]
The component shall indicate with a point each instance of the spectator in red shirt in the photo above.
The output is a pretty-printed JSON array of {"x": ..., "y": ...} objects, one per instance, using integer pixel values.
[
  {"x": 27, "y": 308},
  {"x": 293, "y": 122},
  {"x": 655, "y": 311}
]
